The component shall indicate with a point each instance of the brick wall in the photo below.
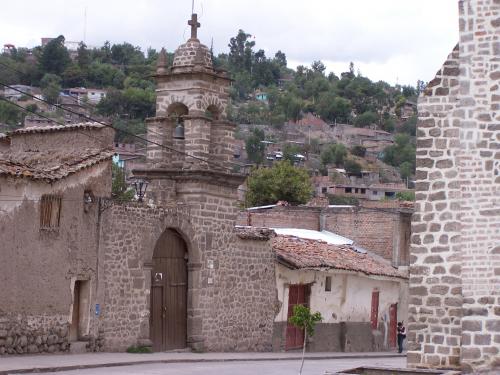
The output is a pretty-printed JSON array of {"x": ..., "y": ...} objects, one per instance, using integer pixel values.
[
  {"x": 386, "y": 232},
  {"x": 454, "y": 284}
]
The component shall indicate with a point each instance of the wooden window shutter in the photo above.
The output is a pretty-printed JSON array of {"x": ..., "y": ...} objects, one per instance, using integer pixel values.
[{"x": 50, "y": 211}]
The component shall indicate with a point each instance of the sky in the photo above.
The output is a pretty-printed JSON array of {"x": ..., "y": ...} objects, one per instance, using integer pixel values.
[{"x": 398, "y": 41}]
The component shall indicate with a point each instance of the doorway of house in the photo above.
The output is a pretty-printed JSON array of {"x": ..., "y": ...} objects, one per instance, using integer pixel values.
[
  {"x": 81, "y": 310},
  {"x": 393, "y": 324},
  {"x": 169, "y": 293},
  {"x": 298, "y": 294}
]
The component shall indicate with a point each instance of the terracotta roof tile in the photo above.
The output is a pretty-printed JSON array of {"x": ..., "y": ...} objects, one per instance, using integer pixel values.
[
  {"x": 56, "y": 128},
  {"x": 254, "y": 233},
  {"x": 299, "y": 253},
  {"x": 50, "y": 166}
]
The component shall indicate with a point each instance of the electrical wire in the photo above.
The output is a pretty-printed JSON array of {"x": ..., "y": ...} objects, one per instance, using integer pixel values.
[{"x": 120, "y": 130}]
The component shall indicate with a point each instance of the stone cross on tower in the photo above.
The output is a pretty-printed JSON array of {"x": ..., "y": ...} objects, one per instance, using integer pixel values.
[{"x": 193, "y": 22}]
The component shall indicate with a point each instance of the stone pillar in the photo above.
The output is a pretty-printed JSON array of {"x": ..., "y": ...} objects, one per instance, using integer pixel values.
[
  {"x": 159, "y": 131},
  {"x": 197, "y": 141},
  {"x": 222, "y": 145}
]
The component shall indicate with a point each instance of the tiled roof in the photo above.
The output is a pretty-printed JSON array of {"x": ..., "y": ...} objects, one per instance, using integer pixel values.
[
  {"x": 299, "y": 253},
  {"x": 50, "y": 166},
  {"x": 56, "y": 128},
  {"x": 254, "y": 233}
]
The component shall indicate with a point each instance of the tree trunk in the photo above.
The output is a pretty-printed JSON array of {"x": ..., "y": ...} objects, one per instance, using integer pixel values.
[{"x": 303, "y": 352}]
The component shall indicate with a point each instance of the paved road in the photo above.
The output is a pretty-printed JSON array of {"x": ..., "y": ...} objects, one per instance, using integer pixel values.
[{"x": 311, "y": 367}]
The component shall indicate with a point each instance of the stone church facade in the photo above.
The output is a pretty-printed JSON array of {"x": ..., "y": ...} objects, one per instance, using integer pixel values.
[
  {"x": 221, "y": 281},
  {"x": 455, "y": 255}
]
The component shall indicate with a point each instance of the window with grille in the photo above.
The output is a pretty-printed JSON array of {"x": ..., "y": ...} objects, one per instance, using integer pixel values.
[{"x": 50, "y": 211}]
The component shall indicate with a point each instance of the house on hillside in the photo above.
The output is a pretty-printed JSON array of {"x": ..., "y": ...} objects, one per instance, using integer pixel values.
[
  {"x": 51, "y": 182},
  {"x": 361, "y": 297}
]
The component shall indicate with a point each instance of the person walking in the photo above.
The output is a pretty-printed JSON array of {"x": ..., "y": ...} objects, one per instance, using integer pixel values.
[{"x": 401, "y": 336}]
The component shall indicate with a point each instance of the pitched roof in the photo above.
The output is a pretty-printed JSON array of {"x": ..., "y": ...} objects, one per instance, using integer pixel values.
[
  {"x": 297, "y": 253},
  {"x": 51, "y": 165},
  {"x": 56, "y": 128}
]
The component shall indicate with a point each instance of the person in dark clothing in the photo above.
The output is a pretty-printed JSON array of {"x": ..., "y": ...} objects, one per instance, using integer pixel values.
[{"x": 401, "y": 336}]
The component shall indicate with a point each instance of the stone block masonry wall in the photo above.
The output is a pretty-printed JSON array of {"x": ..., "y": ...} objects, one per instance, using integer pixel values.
[
  {"x": 435, "y": 284},
  {"x": 455, "y": 273},
  {"x": 230, "y": 306},
  {"x": 282, "y": 217},
  {"x": 479, "y": 174}
]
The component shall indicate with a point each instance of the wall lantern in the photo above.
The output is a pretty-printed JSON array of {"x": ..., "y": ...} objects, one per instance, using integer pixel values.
[{"x": 140, "y": 187}]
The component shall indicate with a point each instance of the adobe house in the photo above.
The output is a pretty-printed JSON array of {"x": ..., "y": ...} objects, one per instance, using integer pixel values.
[
  {"x": 49, "y": 219},
  {"x": 361, "y": 297},
  {"x": 454, "y": 316}
]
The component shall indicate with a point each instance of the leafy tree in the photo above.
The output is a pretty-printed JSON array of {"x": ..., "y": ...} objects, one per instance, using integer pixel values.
[
  {"x": 318, "y": 67},
  {"x": 366, "y": 119},
  {"x": 401, "y": 151},
  {"x": 333, "y": 108},
  {"x": 73, "y": 76},
  {"x": 132, "y": 102},
  {"x": 405, "y": 169},
  {"x": 281, "y": 182},
  {"x": 240, "y": 51},
  {"x": 105, "y": 75},
  {"x": 405, "y": 196},
  {"x": 280, "y": 59},
  {"x": 119, "y": 189},
  {"x": 335, "y": 153},
  {"x": 290, "y": 151},
  {"x": 51, "y": 87},
  {"x": 352, "y": 167},
  {"x": 359, "y": 151},
  {"x": 342, "y": 200},
  {"x": 9, "y": 114},
  {"x": 132, "y": 126},
  {"x": 55, "y": 57},
  {"x": 303, "y": 318},
  {"x": 410, "y": 126},
  {"x": 254, "y": 146},
  {"x": 83, "y": 56}
]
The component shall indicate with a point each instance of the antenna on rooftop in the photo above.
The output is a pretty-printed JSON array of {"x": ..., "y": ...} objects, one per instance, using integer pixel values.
[
  {"x": 84, "y": 24},
  {"x": 192, "y": 7}
]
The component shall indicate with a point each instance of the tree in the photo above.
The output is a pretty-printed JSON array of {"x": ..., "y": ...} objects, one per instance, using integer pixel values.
[
  {"x": 255, "y": 147},
  {"x": 83, "y": 56},
  {"x": 9, "y": 114},
  {"x": 240, "y": 52},
  {"x": 281, "y": 182},
  {"x": 352, "y": 167},
  {"x": 359, "y": 151},
  {"x": 303, "y": 318},
  {"x": 366, "y": 119},
  {"x": 280, "y": 58},
  {"x": 55, "y": 57},
  {"x": 405, "y": 170},
  {"x": 119, "y": 189},
  {"x": 335, "y": 153},
  {"x": 51, "y": 87},
  {"x": 401, "y": 151},
  {"x": 290, "y": 152},
  {"x": 405, "y": 195},
  {"x": 332, "y": 107}
]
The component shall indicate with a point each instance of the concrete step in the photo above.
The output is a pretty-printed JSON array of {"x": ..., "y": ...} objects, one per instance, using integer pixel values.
[{"x": 78, "y": 347}]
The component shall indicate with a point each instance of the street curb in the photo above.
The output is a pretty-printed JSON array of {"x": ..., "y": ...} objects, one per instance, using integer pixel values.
[{"x": 194, "y": 360}]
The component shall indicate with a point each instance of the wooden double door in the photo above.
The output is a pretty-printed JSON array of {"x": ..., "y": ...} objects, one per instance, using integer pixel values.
[
  {"x": 169, "y": 293},
  {"x": 298, "y": 294}
]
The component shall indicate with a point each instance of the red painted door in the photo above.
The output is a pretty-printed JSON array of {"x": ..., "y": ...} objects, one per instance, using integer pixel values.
[
  {"x": 393, "y": 324},
  {"x": 298, "y": 294},
  {"x": 374, "y": 311}
]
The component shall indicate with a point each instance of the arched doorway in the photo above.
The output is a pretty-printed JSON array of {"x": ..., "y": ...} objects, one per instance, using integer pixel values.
[{"x": 169, "y": 292}]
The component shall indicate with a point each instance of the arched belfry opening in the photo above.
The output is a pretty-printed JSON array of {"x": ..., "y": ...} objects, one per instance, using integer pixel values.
[{"x": 169, "y": 287}]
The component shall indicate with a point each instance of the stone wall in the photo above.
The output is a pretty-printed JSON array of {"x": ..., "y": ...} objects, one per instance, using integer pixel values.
[
  {"x": 454, "y": 285},
  {"x": 231, "y": 306},
  {"x": 282, "y": 217}
]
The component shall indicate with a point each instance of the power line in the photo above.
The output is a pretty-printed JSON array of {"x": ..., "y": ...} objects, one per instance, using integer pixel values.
[
  {"x": 48, "y": 118},
  {"x": 77, "y": 100},
  {"x": 120, "y": 130}
]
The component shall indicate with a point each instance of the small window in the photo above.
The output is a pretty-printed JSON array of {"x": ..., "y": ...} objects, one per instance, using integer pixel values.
[
  {"x": 328, "y": 284},
  {"x": 363, "y": 191},
  {"x": 348, "y": 190},
  {"x": 356, "y": 190},
  {"x": 50, "y": 211},
  {"x": 374, "y": 192},
  {"x": 323, "y": 190}
]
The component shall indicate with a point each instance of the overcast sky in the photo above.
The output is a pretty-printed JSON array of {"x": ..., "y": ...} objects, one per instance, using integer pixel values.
[{"x": 392, "y": 40}]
